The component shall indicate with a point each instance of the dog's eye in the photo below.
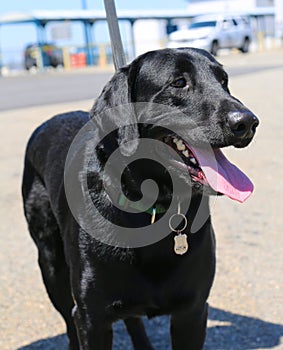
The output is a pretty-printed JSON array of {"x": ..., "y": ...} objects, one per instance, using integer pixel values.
[
  {"x": 179, "y": 83},
  {"x": 224, "y": 81}
]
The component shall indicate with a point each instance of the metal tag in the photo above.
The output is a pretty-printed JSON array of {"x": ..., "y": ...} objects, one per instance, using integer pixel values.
[{"x": 181, "y": 244}]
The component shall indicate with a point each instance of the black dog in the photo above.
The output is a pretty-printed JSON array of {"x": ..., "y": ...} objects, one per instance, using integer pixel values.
[{"x": 92, "y": 282}]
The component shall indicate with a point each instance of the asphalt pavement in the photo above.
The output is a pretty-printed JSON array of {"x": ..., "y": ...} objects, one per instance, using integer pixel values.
[
  {"x": 58, "y": 86},
  {"x": 52, "y": 86},
  {"x": 246, "y": 303}
]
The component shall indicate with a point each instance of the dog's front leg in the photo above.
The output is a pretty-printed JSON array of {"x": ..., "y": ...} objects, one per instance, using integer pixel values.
[
  {"x": 93, "y": 331},
  {"x": 138, "y": 334},
  {"x": 188, "y": 329}
]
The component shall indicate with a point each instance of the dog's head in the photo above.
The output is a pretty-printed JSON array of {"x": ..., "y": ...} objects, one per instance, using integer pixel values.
[{"x": 201, "y": 117}]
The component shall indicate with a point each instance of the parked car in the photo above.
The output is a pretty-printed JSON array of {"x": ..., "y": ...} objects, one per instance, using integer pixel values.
[
  {"x": 52, "y": 56},
  {"x": 214, "y": 32}
]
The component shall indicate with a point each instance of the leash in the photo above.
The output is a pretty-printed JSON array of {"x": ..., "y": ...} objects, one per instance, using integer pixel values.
[{"x": 119, "y": 57}]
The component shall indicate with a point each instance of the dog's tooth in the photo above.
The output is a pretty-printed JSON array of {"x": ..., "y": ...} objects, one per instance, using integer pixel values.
[
  {"x": 175, "y": 140},
  {"x": 186, "y": 153},
  {"x": 180, "y": 145},
  {"x": 193, "y": 160}
]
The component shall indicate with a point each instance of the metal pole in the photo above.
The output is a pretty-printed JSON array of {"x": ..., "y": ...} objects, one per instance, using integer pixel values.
[
  {"x": 116, "y": 41},
  {"x": 87, "y": 32},
  {"x": 1, "y": 60},
  {"x": 40, "y": 40},
  {"x": 88, "y": 40}
]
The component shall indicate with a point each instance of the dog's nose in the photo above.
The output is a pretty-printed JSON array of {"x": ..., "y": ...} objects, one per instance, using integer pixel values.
[{"x": 242, "y": 124}]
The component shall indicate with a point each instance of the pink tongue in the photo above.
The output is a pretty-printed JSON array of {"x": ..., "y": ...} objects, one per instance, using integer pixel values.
[{"x": 223, "y": 176}]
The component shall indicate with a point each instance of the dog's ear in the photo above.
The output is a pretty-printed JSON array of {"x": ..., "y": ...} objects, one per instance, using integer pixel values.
[{"x": 119, "y": 91}]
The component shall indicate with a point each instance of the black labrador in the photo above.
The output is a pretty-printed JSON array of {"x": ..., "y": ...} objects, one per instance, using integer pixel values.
[{"x": 93, "y": 282}]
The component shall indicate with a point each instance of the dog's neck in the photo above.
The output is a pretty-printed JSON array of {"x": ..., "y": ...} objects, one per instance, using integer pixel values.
[{"x": 191, "y": 204}]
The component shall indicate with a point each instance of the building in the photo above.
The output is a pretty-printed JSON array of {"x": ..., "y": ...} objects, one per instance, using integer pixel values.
[
  {"x": 227, "y": 5},
  {"x": 266, "y": 17},
  {"x": 197, "y": 6},
  {"x": 279, "y": 18},
  {"x": 269, "y": 26},
  {"x": 142, "y": 30}
]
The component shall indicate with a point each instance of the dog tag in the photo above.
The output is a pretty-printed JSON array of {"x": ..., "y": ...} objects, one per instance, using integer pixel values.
[{"x": 181, "y": 244}]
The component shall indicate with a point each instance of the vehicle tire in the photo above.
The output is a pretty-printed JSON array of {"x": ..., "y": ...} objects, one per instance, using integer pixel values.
[
  {"x": 246, "y": 45},
  {"x": 30, "y": 67},
  {"x": 214, "y": 48},
  {"x": 53, "y": 62}
]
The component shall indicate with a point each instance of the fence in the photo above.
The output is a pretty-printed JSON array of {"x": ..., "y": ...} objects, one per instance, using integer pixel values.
[
  {"x": 70, "y": 57},
  {"x": 75, "y": 57}
]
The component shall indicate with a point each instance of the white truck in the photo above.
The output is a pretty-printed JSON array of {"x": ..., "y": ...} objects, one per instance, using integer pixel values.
[{"x": 214, "y": 32}]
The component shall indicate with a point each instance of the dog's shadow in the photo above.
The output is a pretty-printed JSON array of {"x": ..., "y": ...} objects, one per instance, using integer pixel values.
[{"x": 227, "y": 331}]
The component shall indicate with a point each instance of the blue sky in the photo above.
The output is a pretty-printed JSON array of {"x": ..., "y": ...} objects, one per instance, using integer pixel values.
[{"x": 13, "y": 38}]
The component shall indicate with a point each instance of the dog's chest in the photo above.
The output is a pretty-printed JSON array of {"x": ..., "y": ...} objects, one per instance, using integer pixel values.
[
  {"x": 153, "y": 290},
  {"x": 155, "y": 294}
]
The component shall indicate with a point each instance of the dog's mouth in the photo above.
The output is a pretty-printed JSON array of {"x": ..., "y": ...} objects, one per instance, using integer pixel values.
[
  {"x": 188, "y": 160},
  {"x": 209, "y": 167}
]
